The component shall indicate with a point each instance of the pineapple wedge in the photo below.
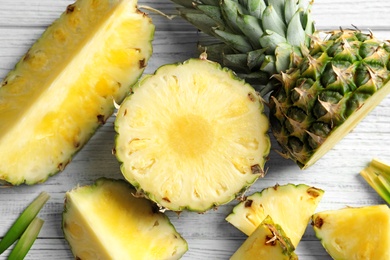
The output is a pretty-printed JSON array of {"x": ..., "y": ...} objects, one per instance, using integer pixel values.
[
  {"x": 377, "y": 175},
  {"x": 105, "y": 221},
  {"x": 65, "y": 86},
  {"x": 290, "y": 206},
  {"x": 192, "y": 136},
  {"x": 267, "y": 242},
  {"x": 355, "y": 233}
]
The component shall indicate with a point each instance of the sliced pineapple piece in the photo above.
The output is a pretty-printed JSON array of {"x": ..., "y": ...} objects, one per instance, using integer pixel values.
[
  {"x": 192, "y": 136},
  {"x": 355, "y": 233},
  {"x": 377, "y": 175},
  {"x": 105, "y": 221},
  {"x": 268, "y": 241},
  {"x": 64, "y": 88},
  {"x": 290, "y": 206}
]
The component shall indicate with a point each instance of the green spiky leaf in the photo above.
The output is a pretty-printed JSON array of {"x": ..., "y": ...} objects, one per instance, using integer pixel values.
[{"x": 272, "y": 21}]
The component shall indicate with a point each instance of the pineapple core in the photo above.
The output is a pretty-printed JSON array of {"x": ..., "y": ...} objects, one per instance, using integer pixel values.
[{"x": 190, "y": 135}]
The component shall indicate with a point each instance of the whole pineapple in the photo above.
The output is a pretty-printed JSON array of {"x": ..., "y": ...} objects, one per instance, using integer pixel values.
[
  {"x": 338, "y": 82},
  {"x": 256, "y": 38}
]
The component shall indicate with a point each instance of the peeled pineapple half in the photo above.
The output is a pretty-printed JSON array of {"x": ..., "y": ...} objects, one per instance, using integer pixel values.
[
  {"x": 105, "y": 221},
  {"x": 192, "y": 136},
  {"x": 355, "y": 233},
  {"x": 289, "y": 205},
  {"x": 65, "y": 86}
]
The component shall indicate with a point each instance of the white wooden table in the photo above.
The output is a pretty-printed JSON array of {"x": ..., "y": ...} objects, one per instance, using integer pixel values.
[{"x": 209, "y": 236}]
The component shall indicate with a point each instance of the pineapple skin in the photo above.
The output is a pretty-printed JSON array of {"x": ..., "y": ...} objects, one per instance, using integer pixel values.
[
  {"x": 337, "y": 83},
  {"x": 160, "y": 176},
  {"x": 64, "y": 88},
  {"x": 106, "y": 221},
  {"x": 354, "y": 233},
  {"x": 268, "y": 242},
  {"x": 290, "y": 206}
]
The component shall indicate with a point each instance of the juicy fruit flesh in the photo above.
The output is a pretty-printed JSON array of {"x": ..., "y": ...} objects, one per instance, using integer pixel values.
[
  {"x": 105, "y": 221},
  {"x": 338, "y": 82},
  {"x": 66, "y": 84},
  {"x": 355, "y": 233},
  {"x": 268, "y": 241},
  {"x": 192, "y": 136},
  {"x": 290, "y": 206}
]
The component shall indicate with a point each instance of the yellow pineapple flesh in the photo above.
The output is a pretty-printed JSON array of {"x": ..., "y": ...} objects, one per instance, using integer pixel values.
[
  {"x": 65, "y": 86},
  {"x": 192, "y": 136},
  {"x": 105, "y": 221},
  {"x": 289, "y": 205},
  {"x": 268, "y": 241},
  {"x": 355, "y": 233}
]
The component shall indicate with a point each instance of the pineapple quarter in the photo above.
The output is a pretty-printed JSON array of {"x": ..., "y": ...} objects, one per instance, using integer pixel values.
[
  {"x": 105, "y": 221},
  {"x": 290, "y": 206},
  {"x": 354, "y": 233},
  {"x": 65, "y": 86},
  {"x": 192, "y": 136}
]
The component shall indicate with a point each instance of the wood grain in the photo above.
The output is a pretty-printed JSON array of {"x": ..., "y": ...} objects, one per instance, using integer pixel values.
[{"x": 209, "y": 236}]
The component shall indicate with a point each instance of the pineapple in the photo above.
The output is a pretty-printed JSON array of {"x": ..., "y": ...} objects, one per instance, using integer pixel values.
[
  {"x": 192, "y": 136},
  {"x": 105, "y": 221},
  {"x": 65, "y": 86},
  {"x": 255, "y": 38},
  {"x": 290, "y": 206},
  {"x": 267, "y": 242},
  {"x": 355, "y": 233},
  {"x": 335, "y": 86}
]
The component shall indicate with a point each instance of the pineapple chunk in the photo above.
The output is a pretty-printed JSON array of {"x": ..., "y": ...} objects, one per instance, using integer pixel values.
[
  {"x": 192, "y": 136},
  {"x": 377, "y": 175},
  {"x": 65, "y": 86},
  {"x": 268, "y": 241},
  {"x": 105, "y": 221},
  {"x": 355, "y": 233},
  {"x": 290, "y": 206}
]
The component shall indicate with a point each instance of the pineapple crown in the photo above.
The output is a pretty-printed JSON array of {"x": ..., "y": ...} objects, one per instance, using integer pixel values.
[{"x": 255, "y": 38}]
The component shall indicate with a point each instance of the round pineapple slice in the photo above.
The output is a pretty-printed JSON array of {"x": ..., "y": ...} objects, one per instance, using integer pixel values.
[{"x": 192, "y": 136}]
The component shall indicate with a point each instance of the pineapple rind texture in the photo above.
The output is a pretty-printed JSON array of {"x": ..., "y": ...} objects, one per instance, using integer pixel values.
[
  {"x": 256, "y": 39},
  {"x": 64, "y": 88},
  {"x": 192, "y": 136},
  {"x": 291, "y": 206},
  {"x": 354, "y": 233},
  {"x": 268, "y": 241},
  {"x": 338, "y": 82},
  {"x": 106, "y": 221}
]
